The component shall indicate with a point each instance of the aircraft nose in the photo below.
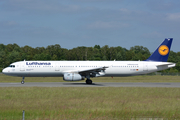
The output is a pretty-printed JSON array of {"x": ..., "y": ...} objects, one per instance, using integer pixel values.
[{"x": 4, "y": 71}]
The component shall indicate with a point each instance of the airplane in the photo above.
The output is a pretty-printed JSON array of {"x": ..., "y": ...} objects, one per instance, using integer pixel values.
[{"x": 79, "y": 70}]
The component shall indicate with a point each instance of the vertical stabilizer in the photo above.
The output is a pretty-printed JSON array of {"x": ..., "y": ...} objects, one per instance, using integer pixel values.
[{"x": 162, "y": 52}]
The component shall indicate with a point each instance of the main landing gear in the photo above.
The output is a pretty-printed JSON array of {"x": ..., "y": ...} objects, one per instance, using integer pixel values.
[
  {"x": 22, "y": 82},
  {"x": 88, "y": 81}
]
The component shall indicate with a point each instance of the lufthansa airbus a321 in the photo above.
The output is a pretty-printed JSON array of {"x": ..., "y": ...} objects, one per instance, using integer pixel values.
[{"x": 79, "y": 70}]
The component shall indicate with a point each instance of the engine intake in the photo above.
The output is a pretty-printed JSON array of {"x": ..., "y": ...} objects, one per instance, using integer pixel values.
[{"x": 72, "y": 77}]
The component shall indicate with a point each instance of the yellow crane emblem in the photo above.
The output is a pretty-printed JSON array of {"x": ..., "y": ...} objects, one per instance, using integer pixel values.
[{"x": 163, "y": 50}]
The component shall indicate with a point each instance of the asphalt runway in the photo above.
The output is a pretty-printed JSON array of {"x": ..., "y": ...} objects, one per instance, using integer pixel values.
[{"x": 98, "y": 84}]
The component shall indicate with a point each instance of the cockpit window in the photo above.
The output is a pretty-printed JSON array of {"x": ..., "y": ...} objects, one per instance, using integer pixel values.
[{"x": 12, "y": 66}]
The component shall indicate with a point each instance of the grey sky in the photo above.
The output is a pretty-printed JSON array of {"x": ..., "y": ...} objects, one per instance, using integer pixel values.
[{"x": 74, "y": 23}]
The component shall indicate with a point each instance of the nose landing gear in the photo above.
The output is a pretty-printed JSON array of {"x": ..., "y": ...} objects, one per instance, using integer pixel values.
[{"x": 22, "y": 82}]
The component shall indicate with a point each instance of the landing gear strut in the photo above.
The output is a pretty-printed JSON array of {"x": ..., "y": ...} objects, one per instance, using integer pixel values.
[
  {"x": 22, "y": 82},
  {"x": 88, "y": 81}
]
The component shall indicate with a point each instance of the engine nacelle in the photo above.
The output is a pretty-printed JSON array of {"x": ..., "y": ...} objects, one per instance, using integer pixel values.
[{"x": 72, "y": 77}]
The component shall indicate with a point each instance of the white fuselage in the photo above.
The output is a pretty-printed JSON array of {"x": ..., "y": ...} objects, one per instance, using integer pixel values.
[{"x": 59, "y": 68}]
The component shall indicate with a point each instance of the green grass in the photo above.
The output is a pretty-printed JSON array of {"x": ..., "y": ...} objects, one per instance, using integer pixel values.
[
  {"x": 46, "y": 103},
  {"x": 89, "y": 103},
  {"x": 142, "y": 78}
]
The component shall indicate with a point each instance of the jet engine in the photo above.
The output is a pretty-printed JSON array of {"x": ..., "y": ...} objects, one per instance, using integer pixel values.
[{"x": 72, "y": 77}]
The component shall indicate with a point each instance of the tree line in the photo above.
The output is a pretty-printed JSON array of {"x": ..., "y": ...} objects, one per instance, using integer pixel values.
[{"x": 12, "y": 52}]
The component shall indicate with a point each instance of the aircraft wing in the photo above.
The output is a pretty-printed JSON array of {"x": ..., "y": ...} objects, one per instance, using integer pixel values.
[{"x": 92, "y": 71}]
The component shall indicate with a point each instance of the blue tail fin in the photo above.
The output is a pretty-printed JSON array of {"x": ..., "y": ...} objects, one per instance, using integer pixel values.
[{"x": 162, "y": 52}]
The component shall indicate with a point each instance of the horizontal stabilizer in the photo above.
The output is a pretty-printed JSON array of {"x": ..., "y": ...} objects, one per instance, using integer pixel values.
[{"x": 166, "y": 64}]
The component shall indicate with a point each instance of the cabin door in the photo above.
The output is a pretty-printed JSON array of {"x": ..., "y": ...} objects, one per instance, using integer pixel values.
[
  {"x": 145, "y": 67},
  {"x": 57, "y": 67},
  {"x": 22, "y": 66}
]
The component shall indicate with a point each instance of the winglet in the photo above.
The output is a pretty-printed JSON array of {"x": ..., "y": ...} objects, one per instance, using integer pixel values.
[{"x": 162, "y": 52}]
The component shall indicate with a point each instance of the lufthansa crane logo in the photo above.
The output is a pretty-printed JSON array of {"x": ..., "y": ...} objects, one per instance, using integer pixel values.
[{"x": 163, "y": 50}]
